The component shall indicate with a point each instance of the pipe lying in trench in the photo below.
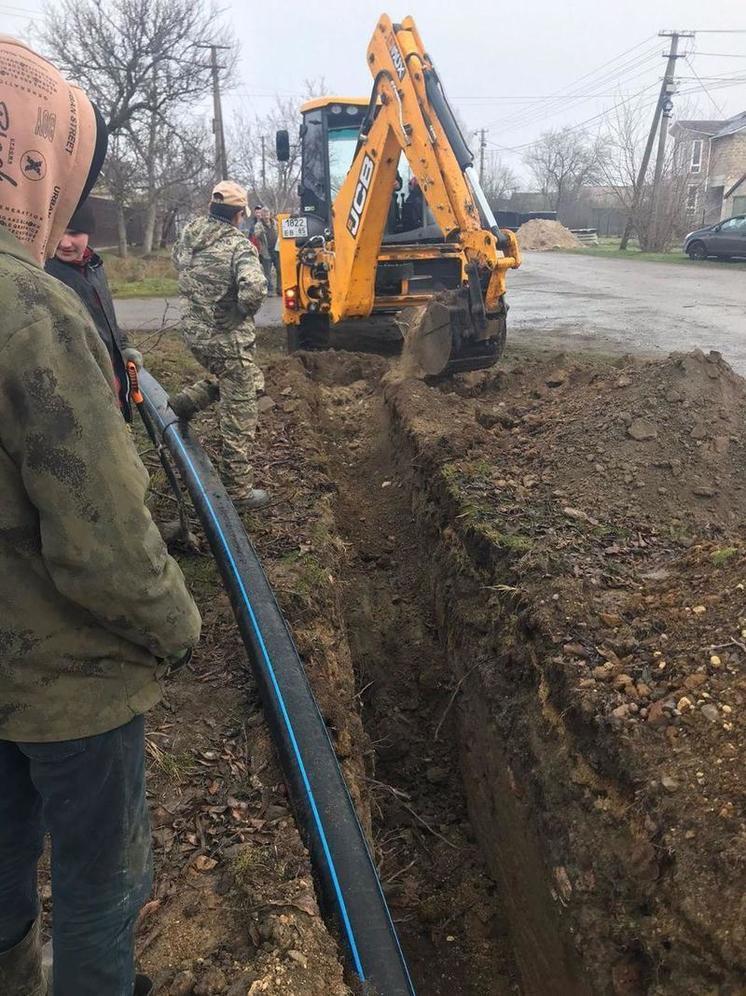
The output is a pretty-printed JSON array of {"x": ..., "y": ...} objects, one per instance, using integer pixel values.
[{"x": 350, "y": 889}]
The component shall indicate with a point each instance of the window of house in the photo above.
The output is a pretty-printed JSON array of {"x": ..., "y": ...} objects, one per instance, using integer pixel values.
[
  {"x": 691, "y": 198},
  {"x": 696, "y": 162}
]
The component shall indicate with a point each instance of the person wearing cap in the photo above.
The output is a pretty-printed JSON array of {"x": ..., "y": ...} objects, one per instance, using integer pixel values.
[
  {"x": 76, "y": 264},
  {"x": 222, "y": 280},
  {"x": 94, "y": 611}
]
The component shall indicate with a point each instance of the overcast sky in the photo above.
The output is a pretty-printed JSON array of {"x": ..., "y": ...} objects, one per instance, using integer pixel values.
[
  {"x": 515, "y": 68},
  {"x": 495, "y": 58}
]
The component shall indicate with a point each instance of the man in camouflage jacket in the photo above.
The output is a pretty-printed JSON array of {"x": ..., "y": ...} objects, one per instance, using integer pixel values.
[
  {"x": 223, "y": 282},
  {"x": 93, "y": 611}
]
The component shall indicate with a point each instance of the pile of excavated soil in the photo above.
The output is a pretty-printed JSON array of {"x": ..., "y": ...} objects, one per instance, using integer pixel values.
[
  {"x": 601, "y": 512},
  {"x": 541, "y": 234}
]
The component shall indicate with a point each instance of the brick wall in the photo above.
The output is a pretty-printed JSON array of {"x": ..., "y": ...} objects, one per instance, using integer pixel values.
[
  {"x": 728, "y": 159},
  {"x": 728, "y": 166}
]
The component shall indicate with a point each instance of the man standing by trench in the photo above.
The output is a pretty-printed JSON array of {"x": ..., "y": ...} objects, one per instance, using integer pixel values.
[
  {"x": 93, "y": 611},
  {"x": 76, "y": 264},
  {"x": 222, "y": 280}
]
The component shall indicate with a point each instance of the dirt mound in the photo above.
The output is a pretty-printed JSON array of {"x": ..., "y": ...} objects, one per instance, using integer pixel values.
[
  {"x": 661, "y": 441},
  {"x": 541, "y": 234},
  {"x": 603, "y": 508}
]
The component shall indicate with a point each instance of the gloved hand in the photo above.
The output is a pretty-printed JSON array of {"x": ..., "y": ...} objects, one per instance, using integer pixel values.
[
  {"x": 132, "y": 355},
  {"x": 176, "y": 662}
]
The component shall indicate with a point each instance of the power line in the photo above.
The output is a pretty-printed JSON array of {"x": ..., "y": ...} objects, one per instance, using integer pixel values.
[
  {"x": 714, "y": 103},
  {"x": 582, "y": 124},
  {"x": 572, "y": 95},
  {"x": 23, "y": 15},
  {"x": 607, "y": 112}
]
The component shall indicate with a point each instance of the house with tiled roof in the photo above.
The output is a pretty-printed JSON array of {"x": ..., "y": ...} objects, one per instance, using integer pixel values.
[{"x": 713, "y": 156}]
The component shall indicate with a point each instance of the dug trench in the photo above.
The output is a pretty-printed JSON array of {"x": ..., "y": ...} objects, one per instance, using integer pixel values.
[{"x": 519, "y": 598}]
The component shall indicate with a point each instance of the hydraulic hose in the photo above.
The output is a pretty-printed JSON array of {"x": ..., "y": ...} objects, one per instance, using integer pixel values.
[{"x": 350, "y": 889}]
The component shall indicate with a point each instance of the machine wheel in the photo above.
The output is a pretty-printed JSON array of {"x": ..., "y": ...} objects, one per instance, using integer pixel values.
[
  {"x": 312, "y": 333},
  {"x": 697, "y": 250}
]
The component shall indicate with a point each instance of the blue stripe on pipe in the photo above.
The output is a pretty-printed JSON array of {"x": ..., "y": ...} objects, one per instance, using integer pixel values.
[{"x": 296, "y": 749}]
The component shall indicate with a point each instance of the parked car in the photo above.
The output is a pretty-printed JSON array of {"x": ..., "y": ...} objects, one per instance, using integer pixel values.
[{"x": 724, "y": 240}]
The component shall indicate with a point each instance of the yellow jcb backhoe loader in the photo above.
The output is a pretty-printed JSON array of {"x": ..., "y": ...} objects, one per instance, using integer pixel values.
[{"x": 360, "y": 261}]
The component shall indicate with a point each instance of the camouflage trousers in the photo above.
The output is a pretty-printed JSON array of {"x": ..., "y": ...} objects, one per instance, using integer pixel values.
[{"x": 234, "y": 382}]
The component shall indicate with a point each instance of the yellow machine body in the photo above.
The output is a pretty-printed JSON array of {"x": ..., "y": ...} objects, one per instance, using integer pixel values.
[{"x": 346, "y": 267}]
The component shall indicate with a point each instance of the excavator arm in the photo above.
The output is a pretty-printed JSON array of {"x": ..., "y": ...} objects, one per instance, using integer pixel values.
[{"x": 408, "y": 112}]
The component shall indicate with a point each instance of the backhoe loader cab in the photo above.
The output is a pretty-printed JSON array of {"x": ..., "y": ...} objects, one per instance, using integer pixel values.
[
  {"x": 393, "y": 235},
  {"x": 328, "y": 138}
]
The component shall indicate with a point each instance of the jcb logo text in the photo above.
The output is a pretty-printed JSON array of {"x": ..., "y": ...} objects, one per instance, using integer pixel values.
[{"x": 361, "y": 195}]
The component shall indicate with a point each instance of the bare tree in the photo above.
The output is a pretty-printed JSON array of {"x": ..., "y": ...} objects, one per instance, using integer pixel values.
[
  {"x": 499, "y": 182},
  {"x": 119, "y": 176},
  {"x": 135, "y": 56},
  {"x": 141, "y": 63},
  {"x": 657, "y": 222},
  {"x": 253, "y": 160},
  {"x": 169, "y": 155},
  {"x": 564, "y": 160}
]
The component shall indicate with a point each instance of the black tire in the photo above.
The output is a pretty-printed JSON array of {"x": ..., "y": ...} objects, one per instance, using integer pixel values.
[
  {"x": 696, "y": 250},
  {"x": 312, "y": 334}
]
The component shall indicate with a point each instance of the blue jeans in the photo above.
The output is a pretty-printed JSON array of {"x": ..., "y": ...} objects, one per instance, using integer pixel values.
[{"x": 89, "y": 794}]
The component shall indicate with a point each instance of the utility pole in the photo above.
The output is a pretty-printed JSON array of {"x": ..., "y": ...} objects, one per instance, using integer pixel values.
[
  {"x": 662, "y": 111},
  {"x": 482, "y": 147},
  {"x": 264, "y": 171},
  {"x": 221, "y": 160}
]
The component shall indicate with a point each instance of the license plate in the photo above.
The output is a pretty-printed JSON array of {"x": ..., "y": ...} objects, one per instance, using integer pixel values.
[{"x": 295, "y": 228}]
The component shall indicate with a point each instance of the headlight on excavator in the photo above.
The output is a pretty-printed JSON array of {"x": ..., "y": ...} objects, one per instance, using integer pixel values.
[{"x": 291, "y": 298}]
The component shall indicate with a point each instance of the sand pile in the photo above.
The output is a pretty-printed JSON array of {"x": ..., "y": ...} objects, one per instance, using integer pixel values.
[{"x": 542, "y": 234}]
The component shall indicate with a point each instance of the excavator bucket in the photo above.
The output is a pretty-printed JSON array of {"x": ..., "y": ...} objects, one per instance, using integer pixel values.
[
  {"x": 428, "y": 337},
  {"x": 441, "y": 338}
]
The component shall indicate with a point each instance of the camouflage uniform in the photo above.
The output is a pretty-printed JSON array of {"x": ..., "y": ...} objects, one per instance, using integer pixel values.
[
  {"x": 222, "y": 280},
  {"x": 90, "y": 601}
]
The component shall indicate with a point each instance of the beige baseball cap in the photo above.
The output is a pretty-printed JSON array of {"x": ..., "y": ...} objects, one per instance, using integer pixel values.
[{"x": 231, "y": 194}]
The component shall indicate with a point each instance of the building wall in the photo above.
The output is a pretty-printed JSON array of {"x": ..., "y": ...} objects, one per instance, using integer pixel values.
[
  {"x": 728, "y": 166},
  {"x": 702, "y": 207},
  {"x": 723, "y": 163}
]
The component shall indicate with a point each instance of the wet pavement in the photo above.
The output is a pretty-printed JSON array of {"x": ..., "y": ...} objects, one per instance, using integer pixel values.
[
  {"x": 620, "y": 306},
  {"x": 153, "y": 313}
]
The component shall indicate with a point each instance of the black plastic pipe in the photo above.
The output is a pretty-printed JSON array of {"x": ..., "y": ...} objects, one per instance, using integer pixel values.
[{"x": 350, "y": 890}]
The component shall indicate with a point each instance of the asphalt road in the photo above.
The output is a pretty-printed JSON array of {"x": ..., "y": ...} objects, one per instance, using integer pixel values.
[
  {"x": 620, "y": 306},
  {"x": 587, "y": 303},
  {"x": 151, "y": 313}
]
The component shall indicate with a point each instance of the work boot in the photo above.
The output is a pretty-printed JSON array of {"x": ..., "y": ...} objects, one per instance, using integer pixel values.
[
  {"x": 187, "y": 404},
  {"x": 20, "y": 968},
  {"x": 184, "y": 406},
  {"x": 143, "y": 985},
  {"x": 252, "y": 502}
]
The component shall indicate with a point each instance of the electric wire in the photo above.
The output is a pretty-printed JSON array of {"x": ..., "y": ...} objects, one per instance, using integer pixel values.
[
  {"x": 712, "y": 100},
  {"x": 598, "y": 77}
]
